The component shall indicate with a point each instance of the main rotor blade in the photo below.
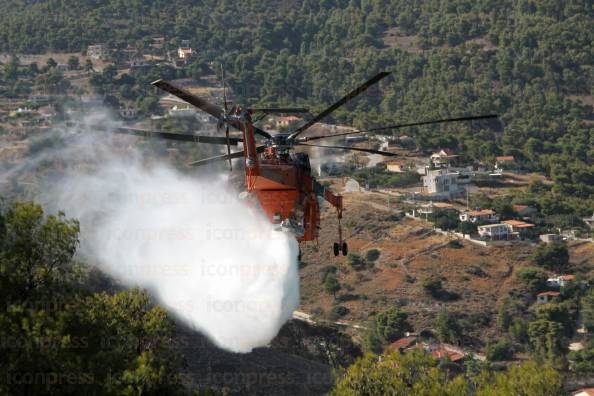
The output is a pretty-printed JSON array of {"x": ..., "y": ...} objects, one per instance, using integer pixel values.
[
  {"x": 272, "y": 110},
  {"x": 184, "y": 95},
  {"x": 202, "y": 104},
  {"x": 237, "y": 154},
  {"x": 361, "y": 88},
  {"x": 309, "y": 138},
  {"x": 387, "y": 153},
  {"x": 397, "y": 126},
  {"x": 177, "y": 136}
]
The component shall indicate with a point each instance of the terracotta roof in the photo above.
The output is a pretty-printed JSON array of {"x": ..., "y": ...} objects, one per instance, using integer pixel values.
[
  {"x": 505, "y": 158},
  {"x": 482, "y": 212},
  {"x": 520, "y": 208},
  {"x": 567, "y": 277},
  {"x": 518, "y": 224},
  {"x": 403, "y": 343},
  {"x": 549, "y": 293},
  {"x": 583, "y": 391},
  {"x": 442, "y": 353}
]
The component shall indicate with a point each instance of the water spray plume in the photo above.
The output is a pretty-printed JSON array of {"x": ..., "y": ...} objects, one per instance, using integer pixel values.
[{"x": 212, "y": 260}]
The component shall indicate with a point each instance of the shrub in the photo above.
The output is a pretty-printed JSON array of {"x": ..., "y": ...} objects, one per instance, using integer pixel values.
[
  {"x": 553, "y": 256},
  {"x": 356, "y": 261},
  {"x": 331, "y": 285},
  {"x": 327, "y": 270},
  {"x": 338, "y": 311},
  {"x": 432, "y": 285},
  {"x": 533, "y": 278},
  {"x": 372, "y": 255},
  {"x": 455, "y": 244},
  {"x": 445, "y": 221},
  {"x": 448, "y": 327},
  {"x": 501, "y": 350},
  {"x": 467, "y": 227}
]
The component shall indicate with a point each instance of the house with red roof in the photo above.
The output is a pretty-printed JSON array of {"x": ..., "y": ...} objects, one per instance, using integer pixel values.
[
  {"x": 403, "y": 344},
  {"x": 524, "y": 230},
  {"x": 525, "y": 211},
  {"x": 505, "y": 162},
  {"x": 546, "y": 297}
]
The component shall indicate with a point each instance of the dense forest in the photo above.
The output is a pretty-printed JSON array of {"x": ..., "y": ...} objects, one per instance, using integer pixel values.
[
  {"x": 529, "y": 61},
  {"x": 63, "y": 326}
]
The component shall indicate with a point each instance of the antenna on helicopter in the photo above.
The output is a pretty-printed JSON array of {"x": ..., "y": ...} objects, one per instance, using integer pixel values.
[{"x": 226, "y": 109}]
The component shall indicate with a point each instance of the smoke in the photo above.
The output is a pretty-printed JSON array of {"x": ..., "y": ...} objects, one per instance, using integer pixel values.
[{"x": 207, "y": 256}]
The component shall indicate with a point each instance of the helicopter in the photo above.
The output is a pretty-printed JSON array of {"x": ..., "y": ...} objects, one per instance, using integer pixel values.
[{"x": 278, "y": 179}]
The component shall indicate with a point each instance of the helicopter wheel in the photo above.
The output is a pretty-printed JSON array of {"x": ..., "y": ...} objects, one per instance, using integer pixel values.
[
  {"x": 345, "y": 249},
  {"x": 336, "y": 248}
]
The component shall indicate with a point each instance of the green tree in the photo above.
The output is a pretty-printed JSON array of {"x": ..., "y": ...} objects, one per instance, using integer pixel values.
[
  {"x": 448, "y": 327},
  {"x": 51, "y": 63},
  {"x": 582, "y": 362},
  {"x": 73, "y": 63},
  {"x": 467, "y": 228},
  {"x": 53, "y": 325},
  {"x": 587, "y": 310},
  {"x": 89, "y": 66},
  {"x": 522, "y": 379},
  {"x": 331, "y": 285},
  {"x": 415, "y": 373},
  {"x": 11, "y": 69},
  {"x": 553, "y": 256},
  {"x": 546, "y": 339},
  {"x": 386, "y": 327},
  {"x": 533, "y": 278},
  {"x": 446, "y": 221},
  {"x": 501, "y": 350}
]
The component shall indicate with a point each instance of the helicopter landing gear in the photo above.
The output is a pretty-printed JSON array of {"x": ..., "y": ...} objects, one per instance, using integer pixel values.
[{"x": 340, "y": 248}]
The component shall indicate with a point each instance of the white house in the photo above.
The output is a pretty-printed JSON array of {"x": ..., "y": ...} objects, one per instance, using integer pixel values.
[
  {"x": 286, "y": 121},
  {"x": 97, "y": 51},
  {"x": 505, "y": 162},
  {"x": 181, "y": 112},
  {"x": 560, "y": 281},
  {"x": 184, "y": 52},
  {"x": 432, "y": 208},
  {"x": 443, "y": 158},
  {"x": 496, "y": 231},
  {"x": 482, "y": 215},
  {"x": 549, "y": 238},
  {"x": 524, "y": 230},
  {"x": 128, "y": 113},
  {"x": 441, "y": 181}
]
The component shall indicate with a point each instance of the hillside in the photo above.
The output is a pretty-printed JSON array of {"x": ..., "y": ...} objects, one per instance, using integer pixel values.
[
  {"x": 533, "y": 66},
  {"x": 477, "y": 278}
]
